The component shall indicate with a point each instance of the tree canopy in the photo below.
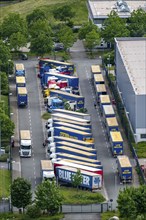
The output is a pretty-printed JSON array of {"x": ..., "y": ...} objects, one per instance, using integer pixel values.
[
  {"x": 4, "y": 83},
  {"x": 47, "y": 197},
  {"x": 66, "y": 36},
  {"x": 37, "y": 14},
  {"x": 13, "y": 23},
  {"x": 86, "y": 29},
  {"x": 114, "y": 26},
  {"x": 63, "y": 13},
  {"x": 92, "y": 39},
  {"x": 137, "y": 23},
  {"x": 132, "y": 202},
  {"x": 21, "y": 193},
  {"x": 77, "y": 179},
  {"x": 17, "y": 40}
]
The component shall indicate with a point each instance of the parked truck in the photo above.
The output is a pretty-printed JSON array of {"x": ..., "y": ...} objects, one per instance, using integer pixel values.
[
  {"x": 53, "y": 141},
  {"x": 78, "y": 166},
  {"x": 47, "y": 170},
  {"x": 111, "y": 124},
  {"x": 90, "y": 180},
  {"x": 73, "y": 146},
  {"x": 98, "y": 166},
  {"x": 79, "y": 100},
  {"x": 72, "y": 151},
  {"x": 19, "y": 69},
  {"x": 104, "y": 100},
  {"x": 73, "y": 113},
  {"x": 95, "y": 69},
  {"x": 80, "y": 128},
  {"x": 22, "y": 98},
  {"x": 59, "y": 156},
  {"x": 25, "y": 143},
  {"x": 72, "y": 81},
  {"x": 98, "y": 79},
  {"x": 124, "y": 169},
  {"x": 108, "y": 111},
  {"x": 71, "y": 133},
  {"x": 116, "y": 141},
  {"x": 20, "y": 81},
  {"x": 67, "y": 119},
  {"x": 100, "y": 89},
  {"x": 54, "y": 103}
]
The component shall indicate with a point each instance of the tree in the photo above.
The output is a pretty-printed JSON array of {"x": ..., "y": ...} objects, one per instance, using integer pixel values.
[
  {"x": 40, "y": 27},
  {"x": 13, "y": 23},
  {"x": 92, "y": 39},
  {"x": 41, "y": 44},
  {"x": 66, "y": 36},
  {"x": 4, "y": 83},
  {"x": 77, "y": 179},
  {"x": 47, "y": 197},
  {"x": 7, "y": 126},
  {"x": 132, "y": 202},
  {"x": 37, "y": 14},
  {"x": 87, "y": 28},
  {"x": 114, "y": 26},
  {"x": 63, "y": 13},
  {"x": 137, "y": 23},
  {"x": 5, "y": 53},
  {"x": 17, "y": 40},
  {"x": 21, "y": 193}
]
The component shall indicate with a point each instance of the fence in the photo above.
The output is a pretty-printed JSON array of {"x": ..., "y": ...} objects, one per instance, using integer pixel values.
[
  {"x": 4, "y": 205},
  {"x": 93, "y": 208},
  {"x": 124, "y": 121}
]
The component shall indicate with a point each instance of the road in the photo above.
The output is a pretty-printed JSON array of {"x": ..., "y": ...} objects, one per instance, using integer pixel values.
[
  {"x": 30, "y": 119},
  {"x": 83, "y": 66}
]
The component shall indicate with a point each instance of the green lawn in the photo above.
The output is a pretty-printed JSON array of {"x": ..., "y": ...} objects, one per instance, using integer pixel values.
[
  {"x": 16, "y": 216},
  {"x": 27, "y": 6},
  {"x": 5, "y": 181},
  {"x": 72, "y": 196},
  {"x": 140, "y": 149}
]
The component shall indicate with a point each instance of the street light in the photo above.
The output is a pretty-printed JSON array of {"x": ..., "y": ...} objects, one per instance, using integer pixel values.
[
  {"x": 108, "y": 63},
  {"x": 111, "y": 200}
]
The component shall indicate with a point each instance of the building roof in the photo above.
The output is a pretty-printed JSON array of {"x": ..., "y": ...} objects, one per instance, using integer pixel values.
[
  {"x": 101, "y": 9},
  {"x": 133, "y": 53}
]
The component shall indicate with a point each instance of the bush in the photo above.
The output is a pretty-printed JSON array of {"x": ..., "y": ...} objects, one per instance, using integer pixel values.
[
  {"x": 3, "y": 158},
  {"x": 33, "y": 211}
]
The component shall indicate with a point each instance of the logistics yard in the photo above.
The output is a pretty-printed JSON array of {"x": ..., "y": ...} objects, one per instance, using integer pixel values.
[{"x": 29, "y": 118}]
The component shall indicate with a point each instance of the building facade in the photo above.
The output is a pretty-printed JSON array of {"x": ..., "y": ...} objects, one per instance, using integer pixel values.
[{"x": 130, "y": 61}]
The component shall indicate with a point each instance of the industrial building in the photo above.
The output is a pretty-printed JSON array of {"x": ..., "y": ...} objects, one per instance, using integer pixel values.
[
  {"x": 130, "y": 61},
  {"x": 98, "y": 10}
]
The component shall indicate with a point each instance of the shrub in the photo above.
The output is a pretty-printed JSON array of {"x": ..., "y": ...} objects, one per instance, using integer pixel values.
[
  {"x": 33, "y": 211},
  {"x": 3, "y": 158}
]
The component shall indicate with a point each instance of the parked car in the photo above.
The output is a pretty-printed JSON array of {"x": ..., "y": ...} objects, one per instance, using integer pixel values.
[{"x": 23, "y": 56}]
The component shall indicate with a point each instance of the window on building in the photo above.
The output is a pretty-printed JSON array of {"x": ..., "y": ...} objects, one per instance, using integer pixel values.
[{"x": 143, "y": 135}]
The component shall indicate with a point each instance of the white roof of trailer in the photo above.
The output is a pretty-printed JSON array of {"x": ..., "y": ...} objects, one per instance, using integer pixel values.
[
  {"x": 76, "y": 150},
  {"x": 69, "y": 144},
  {"x": 22, "y": 90},
  {"x": 108, "y": 109},
  {"x": 133, "y": 53},
  {"x": 73, "y": 130},
  {"x": 124, "y": 161},
  {"x": 20, "y": 79},
  {"x": 63, "y": 111},
  {"x": 116, "y": 136},
  {"x": 77, "y": 157},
  {"x": 19, "y": 66},
  {"x": 25, "y": 134},
  {"x": 75, "y": 170},
  {"x": 95, "y": 69},
  {"x": 73, "y": 118},
  {"x": 80, "y": 162},
  {"x": 100, "y": 88},
  {"x": 81, "y": 128},
  {"x": 46, "y": 165},
  {"x": 73, "y": 140},
  {"x": 98, "y": 78},
  {"x": 112, "y": 121},
  {"x": 104, "y": 99}
]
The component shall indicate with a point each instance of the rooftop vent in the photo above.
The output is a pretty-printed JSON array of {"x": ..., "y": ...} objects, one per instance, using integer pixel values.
[{"x": 122, "y": 6}]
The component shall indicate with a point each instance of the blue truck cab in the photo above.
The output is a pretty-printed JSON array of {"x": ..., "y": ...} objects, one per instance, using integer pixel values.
[
  {"x": 116, "y": 141},
  {"x": 22, "y": 98},
  {"x": 124, "y": 168}
]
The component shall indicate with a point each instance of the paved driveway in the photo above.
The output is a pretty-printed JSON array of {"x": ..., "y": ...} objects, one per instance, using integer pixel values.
[{"x": 85, "y": 216}]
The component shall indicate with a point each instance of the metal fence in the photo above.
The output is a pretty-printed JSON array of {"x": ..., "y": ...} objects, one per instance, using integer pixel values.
[
  {"x": 124, "y": 122},
  {"x": 4, "y": 205},
  {"x": 93, "y": 208}
]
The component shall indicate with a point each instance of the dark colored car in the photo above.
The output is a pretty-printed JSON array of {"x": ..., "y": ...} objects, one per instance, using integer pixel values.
[{"x": 23, "y": 56}]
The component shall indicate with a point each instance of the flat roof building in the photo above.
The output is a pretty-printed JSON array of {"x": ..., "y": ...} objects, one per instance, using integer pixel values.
[
  {"x": 130, "y": 61},
  {"x": 99, "y": 10}
]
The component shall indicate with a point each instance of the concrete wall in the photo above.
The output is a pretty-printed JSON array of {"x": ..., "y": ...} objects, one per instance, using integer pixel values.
[{"x": 126, "y": 89}]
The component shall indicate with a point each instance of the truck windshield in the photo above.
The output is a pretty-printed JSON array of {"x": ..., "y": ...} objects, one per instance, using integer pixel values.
[
  {"x": 58, "y": 104},
  {"x": 25, "y": 147}
]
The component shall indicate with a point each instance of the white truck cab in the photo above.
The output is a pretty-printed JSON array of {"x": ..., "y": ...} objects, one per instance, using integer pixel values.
[{"x": 25, "y": 143}]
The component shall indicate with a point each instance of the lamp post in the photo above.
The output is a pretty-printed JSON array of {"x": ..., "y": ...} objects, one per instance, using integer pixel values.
[
  {"x": 108, "y": 64},
  {"x": 111, "y": 200}
]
